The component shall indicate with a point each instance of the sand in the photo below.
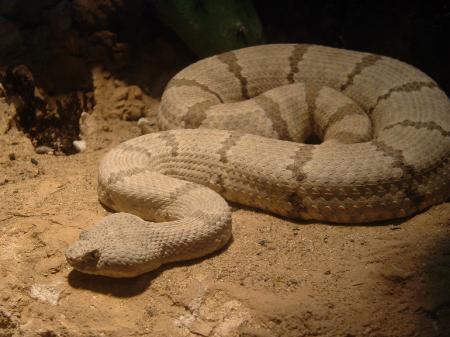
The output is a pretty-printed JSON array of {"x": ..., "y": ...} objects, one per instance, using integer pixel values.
[{"x": 276, "y": 277}]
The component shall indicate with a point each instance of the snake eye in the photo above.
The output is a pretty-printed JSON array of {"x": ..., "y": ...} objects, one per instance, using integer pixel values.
[
  {"x": 83, "y": 261},
  {"x": 91, "y": 257}
]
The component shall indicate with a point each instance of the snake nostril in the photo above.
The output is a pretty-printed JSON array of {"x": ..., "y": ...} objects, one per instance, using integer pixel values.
[
  {"x": 81, "y": 256},
  {"x": 91, "y": 257}
]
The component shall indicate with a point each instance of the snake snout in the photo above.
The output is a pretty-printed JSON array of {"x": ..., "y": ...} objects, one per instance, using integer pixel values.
[{"x": 82, "y": 256}]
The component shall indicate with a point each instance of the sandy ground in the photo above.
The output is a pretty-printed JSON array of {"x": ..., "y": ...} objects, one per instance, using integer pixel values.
[{"x": 276, "y": 278}]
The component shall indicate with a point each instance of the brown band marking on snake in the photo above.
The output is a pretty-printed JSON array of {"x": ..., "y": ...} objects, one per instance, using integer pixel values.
[
  {"x": 379, "y": 190},
  {"x": 311, "y": 95},
  {"x": 122, "y": 174},
  {"x": 301, "y": 157},
  {"x": 230, "y": 59},
  {"x": 407, "y": 87},
  {"x": 272, "y": 112},
  {"x": 179, "y": 82},
  {"x": 366, "y": 62},
  {"x": 186, "y": 188},
  {"x": 342, "y": 112},
  {"x": 134, "y": 148},
  {"x": 409, "y": 173},
  {"x": 294, "y": 59},
  {"x": 216, "y": 182},
  {"x": 196, "y": 114},
  {"x": 228, "y": 144},
  {"x": 171, "y": 141},
  {"x": 350, "y": 137},
  {"x": 431, "y": 126}
]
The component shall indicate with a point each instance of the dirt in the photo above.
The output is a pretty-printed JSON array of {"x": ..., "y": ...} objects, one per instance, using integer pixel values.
[{"x": 277, "y": 277}]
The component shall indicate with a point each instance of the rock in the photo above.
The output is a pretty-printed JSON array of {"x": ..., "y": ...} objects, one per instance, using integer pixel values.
[
  {"x": 146, "y": 125},
  {"x": 80, "y": 145},
  {"x": 48, "y": 293},
  {"x": 133, "y": 110},
  {"x": 263, "y": 243},
  {"x": 44, "y": 150},
  {"x": 120, "y": 94},
  {"x": 83, "y": 117},
  {"x": 127, "y": 102},
  {"x": 134, "y": 92},
  {"x": 201, "y": 328},
  {"x": 119, "y": 105}
]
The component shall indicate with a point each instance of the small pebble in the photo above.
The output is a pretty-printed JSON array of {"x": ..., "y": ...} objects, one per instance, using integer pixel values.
[
  {"x": 144, "y": 120},
  {"x": 84, "y": 115},
  {"x": 263, "y": 243},
  {"x": 34, "y": 161},
  {"x": 43, "y": 150},
  {"x": 145, "y": 125},
  {"x": 80, "y": 145},
  {"x": 12, "y": 156}
]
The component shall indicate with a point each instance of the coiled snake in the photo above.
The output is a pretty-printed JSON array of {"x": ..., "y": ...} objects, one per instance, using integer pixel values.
[{"x": 384, "y": 128}]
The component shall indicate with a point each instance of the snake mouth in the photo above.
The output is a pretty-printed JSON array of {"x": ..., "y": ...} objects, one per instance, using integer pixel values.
[{"x": 82, "y": 257}]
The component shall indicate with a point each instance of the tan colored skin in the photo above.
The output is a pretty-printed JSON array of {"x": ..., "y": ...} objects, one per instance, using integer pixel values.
[{"x": 385, "y": 130}]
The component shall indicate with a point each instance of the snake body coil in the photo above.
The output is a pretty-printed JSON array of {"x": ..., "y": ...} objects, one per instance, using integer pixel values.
[{"x": 385, "y": 132}]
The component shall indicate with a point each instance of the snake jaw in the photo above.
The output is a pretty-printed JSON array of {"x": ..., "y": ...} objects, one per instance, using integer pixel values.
[
  {"x": 82, "y": 256},
  {"x": 97, "y": 252}
]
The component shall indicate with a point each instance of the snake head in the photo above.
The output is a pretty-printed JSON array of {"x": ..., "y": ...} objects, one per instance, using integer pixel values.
[{"x": 119, "y": 245}]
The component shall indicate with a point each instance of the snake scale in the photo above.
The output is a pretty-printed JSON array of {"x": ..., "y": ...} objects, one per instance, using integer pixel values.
[{"x": 244, "y": 121}]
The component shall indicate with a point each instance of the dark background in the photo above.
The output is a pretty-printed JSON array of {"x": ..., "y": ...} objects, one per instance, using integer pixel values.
[
  {"x": 60, "y": 40},
  {"x": 417, "y": 32}
]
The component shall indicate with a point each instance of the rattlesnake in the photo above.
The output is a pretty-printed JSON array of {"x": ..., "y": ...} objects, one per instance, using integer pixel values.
[{"x": 385, "y": 131}]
